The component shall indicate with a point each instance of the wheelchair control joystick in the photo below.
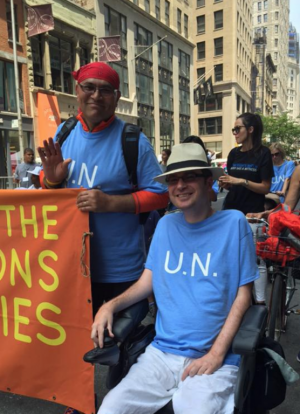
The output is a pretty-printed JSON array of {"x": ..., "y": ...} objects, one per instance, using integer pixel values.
[{"x": 108, "y": 355}]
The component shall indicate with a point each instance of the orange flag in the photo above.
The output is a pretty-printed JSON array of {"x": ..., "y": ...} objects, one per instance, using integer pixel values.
[{"x": 45, "y": 297}]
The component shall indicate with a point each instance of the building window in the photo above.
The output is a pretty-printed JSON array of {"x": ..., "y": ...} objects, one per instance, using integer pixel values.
[
  {"x": 218, "y": 46},
  {"x": 147, "y": 6},
  {"x": 166, "y": 135},
  {"x": 218, "y": 19},
  {"x": 210, "y": 126},
  {"x": 115, "y": 24},
  {"x": 259, "y": 5},
  {"x": 276, "y": 42},
  {"x": 136, "y": 2},
  {"x": 265, "y": 18},
  {"x": 201, "y": 50},
  {"x": 201, "y": 24},
  {"x": 147, "y": 126},
  {"x": 36, "y": 50},
  {"x": 275, "y": 55},
  {"x": 9, "y": 22},
  {"x": 274, "y": 82},
  {"x": 123, "y": 75},
  {"x": 184, "y": 102},
  {"x": 184, "y": 64},
  {"x": 143, "y": 37},
  {"x": 8, "y": 99},
  {"x": 200, "y": 74},
  {"x": 265, "y": 4},
  {"x": 211, "y": 103},
  {"x": 179, "y": 21},
  {"x": 84, "y": 56},
  {"x": 62, "y": 64},
  {"x": 238, "y": 103},
  {"x": 167, "y": 13},
  {"x": 165, "y": 55},
  {"x": 276, "y": 15},
  {"x": 276, "y": 28},
  {"x": 157, "y": 9},
  {"x": 219, "y": 73},
  {"x": 144, "y": 88},
  {"x": 165, "y": 96},
  {"x": 200, "y": 3},
  {"x": 259, "y": 19},
  {"x": 186, "y": 26}
]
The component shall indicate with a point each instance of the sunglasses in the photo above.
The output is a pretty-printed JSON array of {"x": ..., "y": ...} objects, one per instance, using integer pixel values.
[
  {"x": 187, "y": 178},
  {"x": 90, "y": 89},
  {"x": 236, "y": 129},
  {"x": 276, "y": 154}
]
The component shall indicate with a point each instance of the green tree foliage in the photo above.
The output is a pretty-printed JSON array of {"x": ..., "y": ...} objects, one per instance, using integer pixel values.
[{"x": 284, "y": 130}]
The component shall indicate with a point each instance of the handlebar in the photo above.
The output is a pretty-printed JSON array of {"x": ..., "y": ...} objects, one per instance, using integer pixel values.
[{"x": 257, "y": 220}]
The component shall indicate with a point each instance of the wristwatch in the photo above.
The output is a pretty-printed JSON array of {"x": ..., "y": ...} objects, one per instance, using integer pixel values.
[{"x": 246, "y": 183}]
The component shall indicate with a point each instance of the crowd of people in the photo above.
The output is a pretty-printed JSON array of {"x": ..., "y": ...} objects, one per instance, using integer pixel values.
[{"x": 201, "y": 290}]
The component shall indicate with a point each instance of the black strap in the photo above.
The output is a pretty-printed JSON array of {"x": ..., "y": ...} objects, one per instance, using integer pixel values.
[
  {"x": 66, "y": 129},
  {"x": 130, "y": 147}
]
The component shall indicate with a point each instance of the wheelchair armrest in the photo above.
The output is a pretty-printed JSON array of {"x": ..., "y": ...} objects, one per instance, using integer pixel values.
[
  {"x": 251, "y": 330},
  {"x": 126, "y": 320}
]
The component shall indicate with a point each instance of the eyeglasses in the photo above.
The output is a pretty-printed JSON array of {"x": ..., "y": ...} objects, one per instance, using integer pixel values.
[
  {"x": 236, "y": 129},
  {"x": 90, "y": 89},
  {"x": 276, "y": 154},
  {"x": 187, "y": 178}
]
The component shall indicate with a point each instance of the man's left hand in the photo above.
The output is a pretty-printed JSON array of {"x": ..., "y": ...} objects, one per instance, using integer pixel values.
[
  {"x": 93, "y": 200},
  {"x": 208, "y": 364}
]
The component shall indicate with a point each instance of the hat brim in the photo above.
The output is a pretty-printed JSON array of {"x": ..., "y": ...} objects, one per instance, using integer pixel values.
[{"x": 216, "y": 173}]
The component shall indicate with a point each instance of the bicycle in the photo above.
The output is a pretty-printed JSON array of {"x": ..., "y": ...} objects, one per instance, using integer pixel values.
[{"x": 283, "y": 267}]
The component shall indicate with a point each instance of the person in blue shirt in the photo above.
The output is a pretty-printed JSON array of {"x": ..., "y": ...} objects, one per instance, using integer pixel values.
[
  {"x": 202, "y": 289},
  {"x": 283, "y": 171}
]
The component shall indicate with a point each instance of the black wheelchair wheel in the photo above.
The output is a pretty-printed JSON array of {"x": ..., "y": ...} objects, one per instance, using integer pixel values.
[{"x": 276, "y": 309}]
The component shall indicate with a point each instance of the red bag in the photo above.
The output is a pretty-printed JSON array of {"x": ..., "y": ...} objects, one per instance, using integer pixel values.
[
  {"x": 276, "y": 247},
  {"x": 277, "y": 250},
  {"x": 283, "y": 217}
]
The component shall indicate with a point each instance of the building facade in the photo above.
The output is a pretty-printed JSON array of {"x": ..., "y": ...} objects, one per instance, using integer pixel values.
[
  {"x": 293, "y": 85},
  {"x": 223, "y": 37},
  {"x": 156, "y": 67},
  {"x": 10, "y": 139},
  {"x": 262, "y": 76},
  {"x": 52, "y": 56},
  {"x": 271, "y": 17}
]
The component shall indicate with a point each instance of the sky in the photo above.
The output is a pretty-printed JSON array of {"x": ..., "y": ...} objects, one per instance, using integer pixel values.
[{"x": 295, "y": 14}]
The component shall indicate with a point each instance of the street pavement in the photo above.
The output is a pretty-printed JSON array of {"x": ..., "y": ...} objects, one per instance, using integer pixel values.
[{"x": 15, "y": 404}]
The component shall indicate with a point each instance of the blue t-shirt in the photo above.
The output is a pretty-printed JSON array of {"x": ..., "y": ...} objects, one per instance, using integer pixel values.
[
  {"x": 117, "y": 244},
  {"x": 197, "y": 270},
  {"x": 282, "y": 172}
]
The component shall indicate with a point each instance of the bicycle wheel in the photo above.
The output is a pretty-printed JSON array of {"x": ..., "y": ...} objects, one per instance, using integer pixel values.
[{"x": 275, "y": 315}]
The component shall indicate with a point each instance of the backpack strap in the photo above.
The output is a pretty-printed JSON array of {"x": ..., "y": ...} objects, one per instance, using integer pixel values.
[
  {"x": 130, "y": 147},
  {"x": 66, "y": 129}
]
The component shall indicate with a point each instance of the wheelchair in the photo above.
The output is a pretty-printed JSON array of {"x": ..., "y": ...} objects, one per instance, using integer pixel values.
[{"x": 131, "y": 338}]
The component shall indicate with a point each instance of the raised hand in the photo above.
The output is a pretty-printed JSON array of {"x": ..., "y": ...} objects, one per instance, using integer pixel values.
[{"x": 54, "y": 166}]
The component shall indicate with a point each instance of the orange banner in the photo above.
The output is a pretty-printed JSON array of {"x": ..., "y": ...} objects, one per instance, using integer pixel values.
[
  {"x": 48, "y": 116},
  {"x": 45, "y": 297}
]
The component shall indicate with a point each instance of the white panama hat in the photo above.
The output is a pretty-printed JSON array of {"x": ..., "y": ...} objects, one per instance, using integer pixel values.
[
  {"x": 36, "y": 171},
  {"x": 188, "y": 157}
]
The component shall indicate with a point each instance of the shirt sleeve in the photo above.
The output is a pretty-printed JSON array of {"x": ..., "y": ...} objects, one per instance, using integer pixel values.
[
  {"x": 248, "y": 260},
  {"x": 266, "y": 167},
  {"x": 290, "y": 169}
]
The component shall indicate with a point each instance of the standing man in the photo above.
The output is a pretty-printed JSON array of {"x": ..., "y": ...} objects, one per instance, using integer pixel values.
[
  {"x": 202, "y": 290},
  {"x": 92, "y": 157},
  {"x": 21, "y": 175}
]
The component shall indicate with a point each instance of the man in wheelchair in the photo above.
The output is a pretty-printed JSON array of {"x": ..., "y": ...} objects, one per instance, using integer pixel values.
[{"x": 201, "y": 266}]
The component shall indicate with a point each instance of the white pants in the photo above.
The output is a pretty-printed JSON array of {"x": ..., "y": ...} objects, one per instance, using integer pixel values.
[
  {"x": 260, "y": 285},
  {"x": 156, "y": 379}
]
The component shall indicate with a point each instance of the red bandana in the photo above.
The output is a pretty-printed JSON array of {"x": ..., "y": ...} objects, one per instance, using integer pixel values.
[{"x": 97, "y": 70}]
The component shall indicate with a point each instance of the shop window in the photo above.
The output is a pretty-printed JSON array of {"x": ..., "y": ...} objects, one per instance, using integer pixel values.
[
  {"x": 8, "y": 99},
  {"x": 62, "y": 64}
]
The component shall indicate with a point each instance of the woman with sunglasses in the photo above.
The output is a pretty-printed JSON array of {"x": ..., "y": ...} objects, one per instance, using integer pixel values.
[
  {"x": 250, "y": 171},
  {"x": 283, "y": 171}
]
